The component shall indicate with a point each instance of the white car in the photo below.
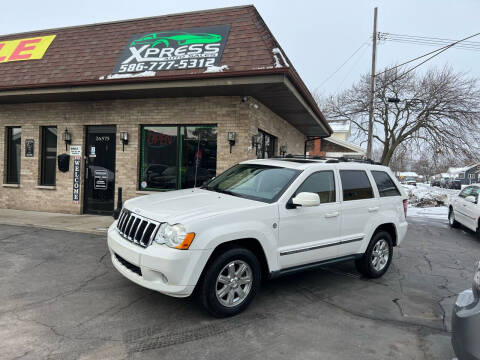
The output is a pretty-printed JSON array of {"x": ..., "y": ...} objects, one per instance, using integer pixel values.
[
  {"x": 259, "y": 219},
  {"x": 464, "y": 209}
]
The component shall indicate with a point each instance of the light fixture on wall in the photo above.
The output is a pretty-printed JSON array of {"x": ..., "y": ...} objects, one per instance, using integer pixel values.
[
  {"x": 231, "y": 139},
  {"x": 67, "y": 137},
  {"x": 124, "y": 138},
  {"x": 283, "y": 150}
]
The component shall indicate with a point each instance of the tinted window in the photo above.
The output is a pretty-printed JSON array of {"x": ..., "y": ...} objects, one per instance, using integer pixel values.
[
  {"x": 385, "y": 185},
  {"x": 49, "y": 155},
  {"x": 14, "y": 148},
  {"x": 356, "y": 185},
  {"x": 321, "y": 183}
]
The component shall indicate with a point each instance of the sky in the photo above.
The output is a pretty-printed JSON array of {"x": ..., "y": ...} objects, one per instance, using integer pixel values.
[{"x": 334, "y": 29}]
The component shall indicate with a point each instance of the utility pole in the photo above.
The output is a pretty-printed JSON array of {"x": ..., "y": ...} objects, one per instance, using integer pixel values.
[{"x": 372, "y": 86}]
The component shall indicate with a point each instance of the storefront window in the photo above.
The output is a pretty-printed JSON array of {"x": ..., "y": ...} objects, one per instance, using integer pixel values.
[
  {"x": 177, "y": 157},
  {"x": 49, "y": 155},
  {"x": 14, "y": 151},
  {"x": 266, "y": 147}
]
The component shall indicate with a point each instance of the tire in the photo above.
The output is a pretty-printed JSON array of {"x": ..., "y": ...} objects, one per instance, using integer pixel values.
[
  {"x": 451, "y": 219},
  {"x": 382, "y": 244},
  {"x": 232, "y": 283}
]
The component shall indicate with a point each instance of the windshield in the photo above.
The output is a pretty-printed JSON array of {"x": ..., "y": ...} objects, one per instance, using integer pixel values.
[{"x": 256, "y": 182}]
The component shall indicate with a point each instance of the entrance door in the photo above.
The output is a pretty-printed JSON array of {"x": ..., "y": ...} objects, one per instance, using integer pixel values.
[{"x": 100, "y": 170}]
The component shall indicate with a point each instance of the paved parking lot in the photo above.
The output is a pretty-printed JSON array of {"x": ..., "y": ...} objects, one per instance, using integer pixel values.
[{"x": 60, "y": 298}]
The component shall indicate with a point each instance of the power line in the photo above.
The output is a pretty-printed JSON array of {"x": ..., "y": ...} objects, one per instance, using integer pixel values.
[
  {"x": 360, "y": 57},
  {"x": 436, "y": 52},
  {"x": 429, "y": 41},
  {"x": 343, "y": 64}
]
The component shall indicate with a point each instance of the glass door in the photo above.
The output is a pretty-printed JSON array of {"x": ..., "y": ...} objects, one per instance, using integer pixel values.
[{"x": 100, "y": 170}]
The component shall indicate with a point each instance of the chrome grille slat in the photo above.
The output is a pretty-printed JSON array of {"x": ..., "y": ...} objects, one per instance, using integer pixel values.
[{"x": 136, "y": 228}]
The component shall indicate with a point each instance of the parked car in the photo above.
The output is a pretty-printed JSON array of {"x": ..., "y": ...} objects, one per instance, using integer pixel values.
[
  {"x": 410, "y": 181},
  {"x": 466, "y": 321},
  {"x": 464, "y": 209},
  {"x": 435, "y": 183},
  {"x": 259, "y": 219}
]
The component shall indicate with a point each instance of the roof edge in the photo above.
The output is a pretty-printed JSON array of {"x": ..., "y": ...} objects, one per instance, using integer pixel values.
[{"x": 130, "y": 20}]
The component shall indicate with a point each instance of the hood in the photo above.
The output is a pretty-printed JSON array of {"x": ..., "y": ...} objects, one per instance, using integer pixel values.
[{"x": 181, "y": 205}]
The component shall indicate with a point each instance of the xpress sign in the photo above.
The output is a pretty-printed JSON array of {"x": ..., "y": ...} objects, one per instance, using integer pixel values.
[{"x": 171, "y": 50}]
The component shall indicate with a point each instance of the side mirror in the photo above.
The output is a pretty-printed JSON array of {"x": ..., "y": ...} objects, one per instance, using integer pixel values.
[
  {"x": 306, "y": 199},
  {"x": 471, "y": 199}
]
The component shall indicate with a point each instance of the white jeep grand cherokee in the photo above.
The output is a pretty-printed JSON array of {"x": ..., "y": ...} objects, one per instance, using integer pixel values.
[{"x": 259, "y": 219}]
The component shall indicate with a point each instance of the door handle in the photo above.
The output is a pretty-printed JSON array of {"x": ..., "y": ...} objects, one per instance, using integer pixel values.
[
  {"x": 332, "y": 214},
  {"x": 373, "y": 209}
]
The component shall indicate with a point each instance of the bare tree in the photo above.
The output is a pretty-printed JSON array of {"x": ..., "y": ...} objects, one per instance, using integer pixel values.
[{"x": 438, "y": 113}]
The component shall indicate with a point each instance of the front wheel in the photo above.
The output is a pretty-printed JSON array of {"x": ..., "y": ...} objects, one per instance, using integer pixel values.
[
  {"x": 451, "y": 219},
  {"x": 376, "y": 260},
  {"x": 230, "y": 282}
]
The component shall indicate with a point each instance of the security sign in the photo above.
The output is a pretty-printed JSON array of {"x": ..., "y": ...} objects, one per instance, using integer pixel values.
[
  {"x": 172, "y": 50},
  {"x": 24, "y": 49}
]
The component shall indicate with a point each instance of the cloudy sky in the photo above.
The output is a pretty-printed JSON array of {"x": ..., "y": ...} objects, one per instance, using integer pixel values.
[{"x": 334, "y": 29}]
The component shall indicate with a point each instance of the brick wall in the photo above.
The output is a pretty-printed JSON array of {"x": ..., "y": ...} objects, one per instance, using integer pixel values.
[{"x": 229, "y": 113}]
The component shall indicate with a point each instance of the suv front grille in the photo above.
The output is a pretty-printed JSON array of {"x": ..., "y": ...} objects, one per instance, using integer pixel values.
[{"x": 136, "y": 229}]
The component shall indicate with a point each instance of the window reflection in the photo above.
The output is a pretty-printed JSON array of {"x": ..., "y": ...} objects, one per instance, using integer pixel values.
[{"x": 174, "y": 157}]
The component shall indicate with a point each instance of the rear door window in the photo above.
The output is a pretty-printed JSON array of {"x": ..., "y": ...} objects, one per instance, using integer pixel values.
[
  {"x": 385, "y": 184},
  {"x": 355, "y": 185}
]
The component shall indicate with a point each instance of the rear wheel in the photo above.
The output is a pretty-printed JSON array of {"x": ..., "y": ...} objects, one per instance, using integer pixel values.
[
  {"x": 451, "y": 219},
  {"x": 376, "y": 260},
  {"x": 230, "y": 282}
]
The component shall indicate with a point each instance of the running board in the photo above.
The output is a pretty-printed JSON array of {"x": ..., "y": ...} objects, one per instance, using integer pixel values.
[{"x": 295, "y": 269}]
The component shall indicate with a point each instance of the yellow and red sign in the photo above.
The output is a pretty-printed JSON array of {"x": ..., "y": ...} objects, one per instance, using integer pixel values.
[{"x": 24, "y": 49}]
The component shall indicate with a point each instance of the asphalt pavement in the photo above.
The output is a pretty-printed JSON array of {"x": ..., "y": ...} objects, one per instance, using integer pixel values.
[{"x": 60, "y": 298}]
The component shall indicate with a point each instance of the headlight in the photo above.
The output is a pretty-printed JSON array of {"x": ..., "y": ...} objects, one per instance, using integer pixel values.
[{"x": 174, "y": 236}]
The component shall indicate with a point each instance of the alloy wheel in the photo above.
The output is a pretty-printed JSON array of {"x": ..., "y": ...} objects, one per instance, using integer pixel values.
[
  {"x": 234, "y": 283},
  {"x": 380, "y": 255}
]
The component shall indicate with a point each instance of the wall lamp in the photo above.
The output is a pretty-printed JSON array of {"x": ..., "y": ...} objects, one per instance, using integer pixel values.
[
  {"x": 124, "y": 138},
  {"x": 231, "y": 139},
  {"x": 67, "y": 137}
]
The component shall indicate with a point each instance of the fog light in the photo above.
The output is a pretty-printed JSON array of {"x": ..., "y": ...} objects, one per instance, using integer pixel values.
[{"x": 465, "y": 298}]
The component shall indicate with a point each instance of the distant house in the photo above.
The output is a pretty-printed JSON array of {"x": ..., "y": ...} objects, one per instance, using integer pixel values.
[
  {"x": 341, "y": 129},
  {"x": 466, "y": 175},
  {"x": 336, "y": 145}
]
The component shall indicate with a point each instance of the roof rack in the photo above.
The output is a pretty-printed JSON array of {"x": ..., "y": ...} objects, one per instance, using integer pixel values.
[{"x": 327, "y": 159}]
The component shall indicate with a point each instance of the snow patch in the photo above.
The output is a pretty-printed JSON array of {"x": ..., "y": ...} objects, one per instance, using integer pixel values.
[
  {"x": 128, "y": 76},
  {"x": 215, "y": 69},
  {"x": 276, "y": 54},
  {"x": 424, "y": 195},
  {"x": 440, "y": 212}
]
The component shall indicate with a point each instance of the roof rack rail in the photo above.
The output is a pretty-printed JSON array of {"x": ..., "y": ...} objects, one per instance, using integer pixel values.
[
  {"x": 306, "y": 157},
  {"x": 329, "y": 159}
]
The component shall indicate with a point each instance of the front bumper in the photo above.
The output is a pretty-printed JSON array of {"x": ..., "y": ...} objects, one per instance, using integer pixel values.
[
  {"x": 466, "y": 331},
  {"x": 169, "y": 271}
]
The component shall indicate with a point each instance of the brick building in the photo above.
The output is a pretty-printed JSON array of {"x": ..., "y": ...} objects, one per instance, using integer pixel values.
[{"x": 144, "y": 105}]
